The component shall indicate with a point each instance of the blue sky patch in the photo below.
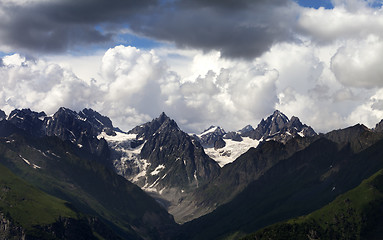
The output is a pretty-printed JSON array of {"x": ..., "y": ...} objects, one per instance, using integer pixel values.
[{"x": 315, "y": 3}]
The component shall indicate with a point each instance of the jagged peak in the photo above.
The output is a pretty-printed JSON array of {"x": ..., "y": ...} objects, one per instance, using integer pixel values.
[
  {"x": 149, "y": 128},
  {"x": 294, "y": 121},
  {"x": 162, "y": 118},
  {"x": 88, "y": 111},
  {"x": 163, "y": 115},
  {"x": 279, "y": 115},
  {"x": 214, "y": 129},
  {"x": 26, "y": 112},
  {"x": 246, "y": 128},
  {"x": 62, "y": 110}
]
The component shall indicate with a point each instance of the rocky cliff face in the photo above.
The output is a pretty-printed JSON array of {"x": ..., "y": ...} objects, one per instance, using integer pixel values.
[
  {"x": 29, "y": 121},
  {"x": 172, "y": 158},
  {"x": 80, "y": 128}
]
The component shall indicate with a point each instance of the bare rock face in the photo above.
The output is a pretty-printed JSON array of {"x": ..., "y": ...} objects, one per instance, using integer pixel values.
[
  {"x": 220, "y": 143},
  {"x": 278, "y": 127},
  {"x": 29, "y": 121},
  {"x": 80, "y": 128},
  {"x": 175, "y": 159}
]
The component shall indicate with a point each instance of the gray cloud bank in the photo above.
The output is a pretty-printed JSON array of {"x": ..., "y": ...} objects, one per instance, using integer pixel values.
[{"x": 242, "y": 28}]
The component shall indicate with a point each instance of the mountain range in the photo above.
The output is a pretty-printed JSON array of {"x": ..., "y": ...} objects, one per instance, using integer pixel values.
[{"x": 138, "y": 184}]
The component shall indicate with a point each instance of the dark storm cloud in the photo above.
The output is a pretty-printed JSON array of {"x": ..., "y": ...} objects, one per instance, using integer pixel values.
[
  {"x": 54, "y": 26},
  {"x": 242, "y": 28},
  {"x": 236, "y": 28}
]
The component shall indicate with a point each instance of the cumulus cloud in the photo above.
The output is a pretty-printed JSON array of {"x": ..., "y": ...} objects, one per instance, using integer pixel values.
[
  {"x": 358, "y": 64},
  {"x": 136, "y": 86},
  {"x": 40, "y": 85},
  {"x": 231, "y": 96},
  {"x": 348, "y": 20}
]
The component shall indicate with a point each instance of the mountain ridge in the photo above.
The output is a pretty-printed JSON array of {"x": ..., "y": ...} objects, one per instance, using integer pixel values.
[{"x": 175, "y": 168}]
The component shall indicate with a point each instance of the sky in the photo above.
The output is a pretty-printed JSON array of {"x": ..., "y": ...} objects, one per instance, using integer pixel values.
[{"x": 202, "y": 62}]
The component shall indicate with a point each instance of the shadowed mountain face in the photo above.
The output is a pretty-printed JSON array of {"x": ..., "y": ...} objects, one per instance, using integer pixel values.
[
  {"x": 79, "y": 128},
  {"x": 185, "y": 163},
  {"x": 69, "y": 172},
  {"x": 281, "y": 169},
  {"x": 355, "y": 214},
  {"x": 169, "y": 164},
  {"x": 304, "y": 181}
]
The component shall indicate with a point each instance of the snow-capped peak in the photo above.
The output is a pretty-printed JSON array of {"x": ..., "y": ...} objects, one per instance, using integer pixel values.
[{"x": 213, "y": 129}]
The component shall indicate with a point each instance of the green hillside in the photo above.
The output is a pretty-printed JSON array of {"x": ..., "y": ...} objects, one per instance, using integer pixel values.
[
  {"x": 27, "y": 205},
  {"x": 61, "y": 169},
  {"x": 357, "y": 214}
]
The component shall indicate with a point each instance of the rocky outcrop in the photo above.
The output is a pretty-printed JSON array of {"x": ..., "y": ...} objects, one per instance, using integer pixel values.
[{"x": 9, "y": 230}]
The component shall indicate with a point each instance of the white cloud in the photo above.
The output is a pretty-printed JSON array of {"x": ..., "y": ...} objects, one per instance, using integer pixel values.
[
  {"x": 359, "y": 63},
  {"x": 344, "y": 22},
  {"x": 40, "y": 85},
  {"x": 370, "y": 112}
]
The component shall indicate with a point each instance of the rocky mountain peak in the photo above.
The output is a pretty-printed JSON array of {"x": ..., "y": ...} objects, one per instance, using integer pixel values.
[
  {"x": 295, "y": 122},
  {"x": 279, "y": 116},
  {"x": 169, "y": 159},
  {"x": 99, "y": 122},
  {"x": 27, "y": 120},
  {"x": 278, "y": 127},
  {"x": 163, "y": 122},
  {"x": 247, "y": 129},
  {"x": 210, "y": 136},
  {"x": 275, "y": 123},
  {"x": 25, "y": 113}
]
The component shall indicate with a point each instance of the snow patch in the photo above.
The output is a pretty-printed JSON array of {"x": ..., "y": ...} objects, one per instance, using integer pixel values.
[
  {"x": 29, "y": 163},
  {"x": 157, "y": 170},
  {"x": 231, "y": 151},
  {"x": 81, "y": 119},
  {"x": 36, "y": 167},
  {"x": 301, "y": 133},
  {"x": 119, "y": 137},
  {"x": 143, "y": 166},
  {"x": 25, "y": 160},
  {"x": 211, "y": 130}
]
